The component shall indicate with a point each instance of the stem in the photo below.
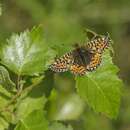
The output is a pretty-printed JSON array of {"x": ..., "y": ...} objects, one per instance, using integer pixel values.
[
  {"x": 18, "y": 82},
  {"x": 29, "y": 88},
  {"x": 20, "y": 92}
]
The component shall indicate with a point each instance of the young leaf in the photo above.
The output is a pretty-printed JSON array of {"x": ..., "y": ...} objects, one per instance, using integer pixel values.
[
  {"x": 59, "y": 126},
  {"x": 34, "y": 121},
  {"x": 102, "y": 88},
  {"x": 5, "y": 80},
  {"x": 27, "y": 53}
]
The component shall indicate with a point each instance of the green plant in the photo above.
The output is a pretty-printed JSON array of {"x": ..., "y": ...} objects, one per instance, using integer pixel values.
[{"x": 28, "y": 91}]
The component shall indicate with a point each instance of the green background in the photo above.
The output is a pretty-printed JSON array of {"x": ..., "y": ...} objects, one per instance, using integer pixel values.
[{"x": 64, "y": 22}]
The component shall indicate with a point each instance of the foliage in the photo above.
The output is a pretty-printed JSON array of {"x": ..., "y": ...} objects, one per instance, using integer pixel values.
[
  {"x": 33, "y": 121},
  {"x": 102, "y": 89},
  {"x": 25, "y": 103},
  {"x": 27, "y": 54},
  {"x": 5, "y": 79},
  {"x": 59, "y": 126}
]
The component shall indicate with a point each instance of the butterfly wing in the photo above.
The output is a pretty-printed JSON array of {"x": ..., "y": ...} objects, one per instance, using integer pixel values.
[
  {"x": 62, "y": 64},
  {"x": 98, "y": 44},
  {"x": 77, "y": 69},
  {"x": 74, "y": 61},
  {"x": 95, "y": 62}
]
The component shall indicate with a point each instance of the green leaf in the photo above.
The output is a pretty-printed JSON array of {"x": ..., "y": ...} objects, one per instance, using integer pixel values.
[
  {"x": 34, "y": 100},
  {"x": 27, "y": 53},
  {"x": 5, "y": 116},
  {"x": 3, "y": 124},
  {"x": 92, "y": 121},
  {"x": 34, "y": 121},
  {"x": 59, "y": 126},
  {"x": 5, "y": 80},
  {"x": 5, "y": 96},
  {"x": 28, "y": 105},
  {"x": 102, "y": 88}
]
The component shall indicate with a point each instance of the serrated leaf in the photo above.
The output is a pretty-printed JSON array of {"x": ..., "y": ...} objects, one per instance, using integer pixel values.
[
  {"x": 102, "y": 88},
  {"x": 59, "y": 126},
  {"x": 5, "y": 96},
  {"x": 5, "y": 80},
  {"x": 27, "y": 53},
  {"x": 34, "y": 121}
]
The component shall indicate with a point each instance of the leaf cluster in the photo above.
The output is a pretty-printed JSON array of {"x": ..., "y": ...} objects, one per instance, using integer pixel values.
[{"x": 28, "y": 92}]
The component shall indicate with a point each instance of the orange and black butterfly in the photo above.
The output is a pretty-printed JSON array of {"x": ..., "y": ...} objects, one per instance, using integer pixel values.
[{"x": 83, "y": 58}]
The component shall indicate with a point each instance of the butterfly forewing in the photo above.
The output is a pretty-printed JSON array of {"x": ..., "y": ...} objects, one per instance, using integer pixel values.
[
  {"x": 62, "y": 64},
  {"x": 98, "y": 44}
]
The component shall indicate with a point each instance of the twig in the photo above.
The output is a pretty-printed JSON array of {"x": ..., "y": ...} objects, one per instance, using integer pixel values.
[{"x": 20, "y": 91}]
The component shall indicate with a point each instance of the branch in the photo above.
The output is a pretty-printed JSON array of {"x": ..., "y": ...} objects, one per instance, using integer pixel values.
[{"x": 20, "y": 92}]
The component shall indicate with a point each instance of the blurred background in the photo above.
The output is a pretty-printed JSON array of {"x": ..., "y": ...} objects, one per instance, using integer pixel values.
[{"x": 64, "y": 22}]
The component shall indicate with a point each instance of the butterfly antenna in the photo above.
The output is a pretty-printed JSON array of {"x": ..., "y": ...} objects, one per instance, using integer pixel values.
[{"x": 107, "y": 38}]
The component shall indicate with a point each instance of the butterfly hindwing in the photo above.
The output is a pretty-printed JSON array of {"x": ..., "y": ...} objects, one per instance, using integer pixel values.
[
  {"x": 77, "y": 69},
  {"x": 95, "y": 62}
]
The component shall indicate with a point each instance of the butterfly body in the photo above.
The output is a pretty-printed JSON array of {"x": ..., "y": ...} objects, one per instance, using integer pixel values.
[{"x": 83, "y": 58}]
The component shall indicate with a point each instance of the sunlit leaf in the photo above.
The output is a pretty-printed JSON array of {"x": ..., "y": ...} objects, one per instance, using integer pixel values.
[
  {"x": 5, "y": 80},
  {"x": 27, "y": 53},
  {"x": 34, "y": 121},
  {"x": 102, "y": 88}
]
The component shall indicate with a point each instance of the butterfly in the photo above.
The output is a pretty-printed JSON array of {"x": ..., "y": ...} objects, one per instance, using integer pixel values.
[{"x": 83, "y": 58}]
